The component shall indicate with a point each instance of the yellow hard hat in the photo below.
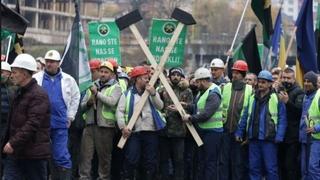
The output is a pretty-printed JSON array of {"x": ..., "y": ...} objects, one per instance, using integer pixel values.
[{"x": 108, "y": 65}]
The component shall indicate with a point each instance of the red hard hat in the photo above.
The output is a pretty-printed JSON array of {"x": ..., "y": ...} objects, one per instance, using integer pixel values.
[
  {"x": 94, "y": 64},
  {"x": 138, "y": 71},
  {"x": 240, "y": 65},
  {"x": 113, "y": 62}
]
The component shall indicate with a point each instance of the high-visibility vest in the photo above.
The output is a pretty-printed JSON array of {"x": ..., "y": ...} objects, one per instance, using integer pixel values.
[
  {"x": 272, "y": 109},
  {"x": 314, "y": 115},
  {"x": 226, "y": 97},
  {"x": 215, "y": 121},
  {"x": 123, "y": 85},
  {"x": 126, "y": 112},
  {"x": 108, "y": 112}
]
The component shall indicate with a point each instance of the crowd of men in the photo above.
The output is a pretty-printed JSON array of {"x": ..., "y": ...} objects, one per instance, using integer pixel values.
[{"x": 252, "y": 126}]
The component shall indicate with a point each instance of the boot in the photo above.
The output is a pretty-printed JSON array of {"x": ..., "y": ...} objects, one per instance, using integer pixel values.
[{"x": 61, "y": 173}]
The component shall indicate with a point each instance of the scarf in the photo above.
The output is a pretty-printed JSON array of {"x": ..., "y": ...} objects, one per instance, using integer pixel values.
[{"x": 158, "y": 121}]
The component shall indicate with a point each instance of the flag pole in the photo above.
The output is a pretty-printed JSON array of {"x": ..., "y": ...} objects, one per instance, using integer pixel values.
[
  {"x": 290, "y": 42},
  {"x": 9, "y": 47},
  {"x": 236, "y": 34}
]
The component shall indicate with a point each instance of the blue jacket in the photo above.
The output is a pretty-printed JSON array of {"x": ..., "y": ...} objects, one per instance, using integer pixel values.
[
  {"x": 280, "y": 129},
  {"x": 303, "y": 137}
]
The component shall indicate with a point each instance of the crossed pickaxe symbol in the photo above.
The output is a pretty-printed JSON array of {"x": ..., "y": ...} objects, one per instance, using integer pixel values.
[{"x": 129, "y": 20}]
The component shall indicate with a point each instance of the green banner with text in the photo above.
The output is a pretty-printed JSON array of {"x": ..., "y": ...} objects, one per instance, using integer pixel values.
[
  {"x": 161, "y": 32},
  {"x": 104, "y": 40}
]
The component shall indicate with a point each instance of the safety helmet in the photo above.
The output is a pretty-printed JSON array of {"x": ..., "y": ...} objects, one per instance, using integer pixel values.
[
  {"x": 5, "y": 66},
  {"x": 41, "y": 60},
  {"x": 176, "y": 70},
  {"x": 94, "y": 64},
  {"x": 53, "y": 55},
  {"x": 264, "y": 74},
  {"x": 108, "y": 65},
  {"x": 202, "y": 73},
  {"x": 119, "y": 70},
  {"x": 123, "y": 75},
  {"x": 113, "y": 62},
  {"x": 25, "y": 61},
  {"x": 240, "y": 65},
  {"x": 138, "y": 71},
  {"x": 217, "y": 63}
]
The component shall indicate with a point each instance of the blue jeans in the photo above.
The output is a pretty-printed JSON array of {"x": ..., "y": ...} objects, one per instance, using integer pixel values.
[
  {"x": 21, "y": 169},
  {"x": 233, "y": 159},
  {"x": 208, "y": 155},
  {"x": 263, "y": 154},
  {"x": 142, "y": 145}
]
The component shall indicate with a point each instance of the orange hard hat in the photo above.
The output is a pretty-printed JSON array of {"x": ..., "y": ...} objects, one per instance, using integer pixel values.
[
  {"x": 94, "y": 64},
  {"x": 113, "y": 62},
  {"x": 138, "y": 71},
  {"x": 240, "y": 65}
]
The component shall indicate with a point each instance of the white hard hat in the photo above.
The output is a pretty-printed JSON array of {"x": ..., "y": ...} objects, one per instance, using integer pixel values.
[
  {"x": 25, "y": 61},
  {"x": 53, "y": 55},
  {"x": 202, "y": 73},
  {"x": 5, "y": 66},
  {"x": 119, "y": 70},
  {"x": 217, "y": 63},
  {"x": 41, "y": 60}
]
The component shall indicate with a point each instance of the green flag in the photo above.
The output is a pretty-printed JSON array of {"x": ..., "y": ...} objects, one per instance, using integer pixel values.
[
  {"x": 5, "y": 34},
  {"x": 75, "y": 59},
  {"x": 262, "y": 9}
]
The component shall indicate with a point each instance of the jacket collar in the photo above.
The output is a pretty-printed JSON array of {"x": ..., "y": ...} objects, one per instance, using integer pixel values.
[
  {"x": 26, "y": 87},
  {"x": 109, "y": 83},
  {"x": 49, "y": 76}
]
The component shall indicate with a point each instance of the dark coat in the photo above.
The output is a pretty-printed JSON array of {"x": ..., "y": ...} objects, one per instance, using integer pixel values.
[
  {"x": 294, "y": 110},
  {"x": 175, "y": 126},
  {"x": 29, "y": 123}
]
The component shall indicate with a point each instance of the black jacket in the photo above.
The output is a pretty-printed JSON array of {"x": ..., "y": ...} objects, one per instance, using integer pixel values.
[{"x": 294, "y": 110}]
